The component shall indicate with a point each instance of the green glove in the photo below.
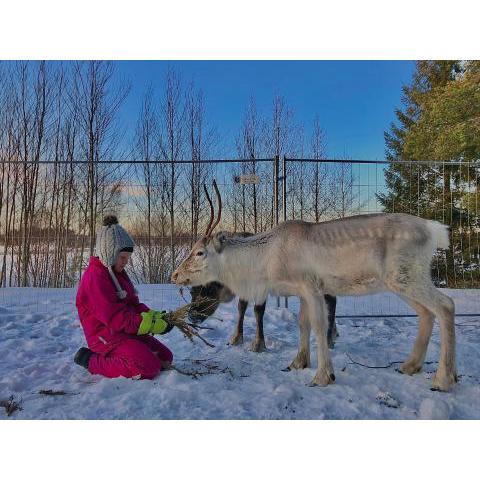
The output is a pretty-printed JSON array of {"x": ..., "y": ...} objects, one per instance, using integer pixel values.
[{"x": 154, "y": 322}]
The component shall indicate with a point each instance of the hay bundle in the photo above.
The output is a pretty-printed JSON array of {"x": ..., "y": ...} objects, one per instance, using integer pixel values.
[{"x": 178, "y": 319}]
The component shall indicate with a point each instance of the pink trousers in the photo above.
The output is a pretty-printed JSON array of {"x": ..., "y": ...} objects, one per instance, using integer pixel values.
[{"x": 135, "y": 357}]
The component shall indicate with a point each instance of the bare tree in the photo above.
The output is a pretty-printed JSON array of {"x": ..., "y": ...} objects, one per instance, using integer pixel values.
[
  {"x": 249, "y": 144},
  {"x": 342, "y": 189},
  {"x": 279, "y": 137},
  {"x": 321, "y": 199},
  {"x": 49, "y": 112},
  {"x": 298, "y": 173},
  {"x": 10, "y": 173},
  {"x": 172, "y": 143},
  {"x": 69, "y": 112},
  {"x": 145, "y": 149},
  {"x": 97, "y": 101},
  {"x": 200, "y": 138},
  {"x": 33, "y": 104}
]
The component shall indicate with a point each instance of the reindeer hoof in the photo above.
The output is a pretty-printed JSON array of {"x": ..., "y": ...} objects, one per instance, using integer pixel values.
[
  {"x": 258, "y": 346},
  {"x": 299, "y": 363},
  {"x": 442, "y": 382},
  {"x": 323, "y": 378},
  {"x": 302, "y": 360},
  {"x": 235, "y": 340},
  {"x": 410, "y": 367}
]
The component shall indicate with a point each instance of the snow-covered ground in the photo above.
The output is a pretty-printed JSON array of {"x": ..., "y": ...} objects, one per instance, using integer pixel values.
[{"x": 40, "y": 332}]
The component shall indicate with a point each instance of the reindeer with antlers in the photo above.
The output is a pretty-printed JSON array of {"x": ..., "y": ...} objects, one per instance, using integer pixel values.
[
  {"x": 207, "y": 298},
  {"x": 357, "y": 255}
]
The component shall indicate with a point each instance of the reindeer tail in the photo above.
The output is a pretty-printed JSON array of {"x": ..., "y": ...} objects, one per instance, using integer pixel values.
[{"x": 440, "y": 234}]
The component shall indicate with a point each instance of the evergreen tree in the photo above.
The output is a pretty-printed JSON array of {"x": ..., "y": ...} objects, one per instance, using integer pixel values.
[
  {"x": 439, "y": 121},
  {"x": 405, "y": 184}
]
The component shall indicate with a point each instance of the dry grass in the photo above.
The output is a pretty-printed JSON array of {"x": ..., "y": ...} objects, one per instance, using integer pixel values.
[
  {"x": 11, "y": 406},
  {"x": 179, "y": 319},
  {"x": 202, "y": 367}
]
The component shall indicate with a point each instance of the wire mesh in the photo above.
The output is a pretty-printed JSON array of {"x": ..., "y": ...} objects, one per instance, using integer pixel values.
[
  {"x": 47, "y": 235},
  {"x": 442, "y": 191}
]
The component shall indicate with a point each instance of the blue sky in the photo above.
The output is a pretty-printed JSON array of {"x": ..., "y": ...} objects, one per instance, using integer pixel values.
[{"x": 355, "y": 100}]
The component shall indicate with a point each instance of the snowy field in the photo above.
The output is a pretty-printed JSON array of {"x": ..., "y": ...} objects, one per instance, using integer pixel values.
[{"x": 40, "y": 332}]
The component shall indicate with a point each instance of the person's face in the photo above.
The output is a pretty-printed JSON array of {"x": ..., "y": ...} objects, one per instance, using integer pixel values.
[{"x": 122, "y": 260}]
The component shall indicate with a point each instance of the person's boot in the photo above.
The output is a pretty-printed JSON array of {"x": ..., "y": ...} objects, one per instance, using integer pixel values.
[{"x": 82, "y": 357}]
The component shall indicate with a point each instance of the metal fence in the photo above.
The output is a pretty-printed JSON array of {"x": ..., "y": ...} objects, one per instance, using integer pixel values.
[
  {"x": 448, "y": 192},
  {"x": 161, "y": 204}
]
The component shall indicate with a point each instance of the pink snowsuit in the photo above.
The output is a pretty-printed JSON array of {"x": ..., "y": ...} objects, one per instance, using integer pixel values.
[{"x": 111, "y": 327}]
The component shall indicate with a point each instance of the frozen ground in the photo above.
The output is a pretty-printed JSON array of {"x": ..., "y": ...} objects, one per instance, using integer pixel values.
[{"x": 40, "y": 332}]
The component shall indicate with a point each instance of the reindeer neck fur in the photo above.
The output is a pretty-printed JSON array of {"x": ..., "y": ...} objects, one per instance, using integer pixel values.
[{"x": 243, "y": 265}]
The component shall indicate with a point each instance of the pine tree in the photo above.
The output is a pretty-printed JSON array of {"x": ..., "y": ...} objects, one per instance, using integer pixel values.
[
  {"x": 439, "y": 121},
  {"x": 404, "y": 183}
]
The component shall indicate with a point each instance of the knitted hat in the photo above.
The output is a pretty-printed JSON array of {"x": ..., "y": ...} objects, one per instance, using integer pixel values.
[{"x": 112, "y": 239}]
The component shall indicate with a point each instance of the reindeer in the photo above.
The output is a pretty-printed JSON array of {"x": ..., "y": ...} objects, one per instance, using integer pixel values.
[
  {"x": 356, "y": 255},
  {"x": 207, "y": 298}
]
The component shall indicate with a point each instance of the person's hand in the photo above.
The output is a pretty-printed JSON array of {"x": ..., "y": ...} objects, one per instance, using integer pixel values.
[{"x": 154, "y": 322}]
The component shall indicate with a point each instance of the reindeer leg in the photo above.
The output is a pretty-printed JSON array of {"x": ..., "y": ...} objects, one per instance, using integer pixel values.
[
  {"x": 332, "y": 333},
  {"x": 415, "y": 361},
  {"x": 302, "y": 360},
  {"x": 432, "y": 300},
  {"x": 446, "y": 375},
  {"x": 237, "y": 337},
  {"x": 317, "y": 315},
  {"x": 258, "y": 345}
]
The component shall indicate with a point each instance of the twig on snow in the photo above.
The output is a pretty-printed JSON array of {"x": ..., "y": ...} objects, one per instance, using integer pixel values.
[
  {"x": 377, "y": 366},
  {"x": 208, "y": 369}
]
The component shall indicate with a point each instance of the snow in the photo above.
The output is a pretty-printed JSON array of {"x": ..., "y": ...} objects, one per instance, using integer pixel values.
[{"x": 40, "y": 333}]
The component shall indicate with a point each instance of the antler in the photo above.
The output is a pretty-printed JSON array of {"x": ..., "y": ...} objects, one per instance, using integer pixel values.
[
  {"x": 211, "y": 227},
  {"x": 219, "y": 199},
  {"x": 212, "y": 211}
]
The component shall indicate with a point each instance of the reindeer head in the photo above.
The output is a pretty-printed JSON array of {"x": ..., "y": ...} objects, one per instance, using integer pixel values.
[
  {"x": 206, "y": 299},
  {"x": 201, "y": 265}
]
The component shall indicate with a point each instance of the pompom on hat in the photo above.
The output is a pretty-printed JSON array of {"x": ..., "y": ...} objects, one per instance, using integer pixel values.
[{"x": 112, "y": 239}]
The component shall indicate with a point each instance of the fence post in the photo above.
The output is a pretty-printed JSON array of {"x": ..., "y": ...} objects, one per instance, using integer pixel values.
[
  {"x": 276, "y": 168},
  {"x": 275, "y": 187},
  {"x": 284, "y": 198},
  {"x": 284, "y": 188}
]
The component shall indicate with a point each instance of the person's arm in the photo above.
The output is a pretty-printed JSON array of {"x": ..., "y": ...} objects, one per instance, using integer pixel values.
[
  {"x": 139, "y": 306},
  {"x": 123, "y": 317},
  {"x": 115, "y": 314}
]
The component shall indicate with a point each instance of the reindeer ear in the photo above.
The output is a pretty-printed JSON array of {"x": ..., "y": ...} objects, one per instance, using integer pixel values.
[{"x": 219, "y": 241}]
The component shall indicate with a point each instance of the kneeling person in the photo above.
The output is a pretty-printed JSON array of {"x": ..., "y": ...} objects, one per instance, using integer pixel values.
[{"x": 117, "y": 326}]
